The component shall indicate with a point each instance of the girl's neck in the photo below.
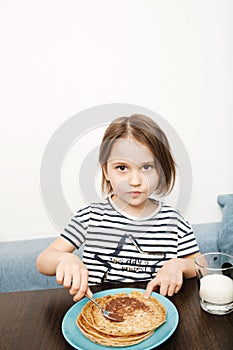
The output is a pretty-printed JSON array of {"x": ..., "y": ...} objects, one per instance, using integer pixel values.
[{"x": 144, "y": 210}]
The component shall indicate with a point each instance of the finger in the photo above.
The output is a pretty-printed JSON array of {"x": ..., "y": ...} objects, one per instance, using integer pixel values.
[
  {"x": 59, "y": 276},
  {"x": 152, "y": 285},
  {"x": 164, "y": 288},
  {"x": 171, "y": 289},
  {"x": 75, "y": 286},
  {"x": 89, "y": 293},
  {"x": 83, "y": 288},
  {"x": 178, "y": 287},
  {"x": 67, "y": 281},
  {"x": 178, "y": 284}
]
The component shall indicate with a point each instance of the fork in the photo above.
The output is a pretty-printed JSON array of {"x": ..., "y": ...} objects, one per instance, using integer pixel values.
[{"x": 112, "y": 316}]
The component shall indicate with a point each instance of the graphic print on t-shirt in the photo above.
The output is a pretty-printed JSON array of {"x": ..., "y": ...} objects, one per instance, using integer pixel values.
[{"x": 139, "y": 263}]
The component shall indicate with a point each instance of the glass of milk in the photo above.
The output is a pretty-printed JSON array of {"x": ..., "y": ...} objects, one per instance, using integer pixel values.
[{"x": 215, "y": 282}]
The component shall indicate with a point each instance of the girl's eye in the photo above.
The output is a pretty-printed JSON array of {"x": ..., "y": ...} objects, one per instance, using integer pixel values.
[
  {"x": 147, "y": 167},
  {"x": 122, "y": 167}
]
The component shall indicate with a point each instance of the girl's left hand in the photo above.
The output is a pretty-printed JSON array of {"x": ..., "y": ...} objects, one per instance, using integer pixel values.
[{"x": 169, "y": 278}]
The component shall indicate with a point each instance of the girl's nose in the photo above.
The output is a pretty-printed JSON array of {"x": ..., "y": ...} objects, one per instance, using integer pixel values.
[{"x": 135, "y": 178}]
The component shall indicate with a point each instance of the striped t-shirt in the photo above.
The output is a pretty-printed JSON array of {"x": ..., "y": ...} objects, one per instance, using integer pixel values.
[{"x": 117, "y": 246}]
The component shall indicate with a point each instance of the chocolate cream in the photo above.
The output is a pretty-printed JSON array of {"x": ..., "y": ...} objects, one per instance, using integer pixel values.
[{"x": 125, "y": 306}]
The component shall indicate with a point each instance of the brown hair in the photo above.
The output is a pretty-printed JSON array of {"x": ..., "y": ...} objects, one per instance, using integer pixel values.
[{"x": 145, "y": 131}]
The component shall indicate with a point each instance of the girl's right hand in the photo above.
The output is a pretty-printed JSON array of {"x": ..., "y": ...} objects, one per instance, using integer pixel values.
[{"x": 73, "y": 274}]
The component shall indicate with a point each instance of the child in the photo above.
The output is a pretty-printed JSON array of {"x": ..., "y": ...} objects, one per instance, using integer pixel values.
[{"x": 131, "y": 236}]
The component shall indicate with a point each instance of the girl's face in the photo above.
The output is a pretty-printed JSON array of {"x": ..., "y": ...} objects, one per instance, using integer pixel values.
[{"x": 132, "y": 174}]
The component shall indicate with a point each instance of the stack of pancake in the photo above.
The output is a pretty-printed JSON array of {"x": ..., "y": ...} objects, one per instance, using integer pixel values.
[{"x": 141, "y": 318}]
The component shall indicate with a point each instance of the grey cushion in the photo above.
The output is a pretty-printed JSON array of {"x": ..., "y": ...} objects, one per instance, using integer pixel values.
[
  {"x": 207, "y": 236},
  {"x": 225, "y": 240},
  {"x": 18, "y": 266}
]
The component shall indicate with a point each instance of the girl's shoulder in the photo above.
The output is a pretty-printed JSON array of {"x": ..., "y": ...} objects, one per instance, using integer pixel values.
[
  {"x": 170, "y": 210},
  {"x": 176, "y": 215},
  {"x": 95, "y": 207}
]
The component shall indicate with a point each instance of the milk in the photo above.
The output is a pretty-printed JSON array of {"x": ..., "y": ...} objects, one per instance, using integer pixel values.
[{"x": 216, "y": 289}]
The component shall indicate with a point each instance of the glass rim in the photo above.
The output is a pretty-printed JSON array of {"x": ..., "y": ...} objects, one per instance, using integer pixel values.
[{"x": 213, "y": 268}]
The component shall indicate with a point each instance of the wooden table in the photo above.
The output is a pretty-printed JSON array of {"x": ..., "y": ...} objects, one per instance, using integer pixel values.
[{"x": 32, "y": 320}]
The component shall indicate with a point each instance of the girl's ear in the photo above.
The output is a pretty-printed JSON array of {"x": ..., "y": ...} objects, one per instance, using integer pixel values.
[{"x": 105, "y": 172}]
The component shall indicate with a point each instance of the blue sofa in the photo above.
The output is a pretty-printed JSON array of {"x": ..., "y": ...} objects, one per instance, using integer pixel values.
[{"x": 17, "y": 259}]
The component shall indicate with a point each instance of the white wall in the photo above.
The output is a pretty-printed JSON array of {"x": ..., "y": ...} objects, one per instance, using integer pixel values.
[{"x": 61, "y": 57}]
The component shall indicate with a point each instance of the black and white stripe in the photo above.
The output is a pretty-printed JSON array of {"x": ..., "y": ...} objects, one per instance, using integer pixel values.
[{"x": 109, "y": 253}]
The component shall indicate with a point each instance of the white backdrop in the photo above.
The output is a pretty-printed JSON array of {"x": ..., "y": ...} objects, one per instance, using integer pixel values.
[{"x": 61, "y": 57}]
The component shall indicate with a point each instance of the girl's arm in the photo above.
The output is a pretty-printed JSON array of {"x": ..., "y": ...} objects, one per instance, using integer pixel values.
[
  {"x": 170, "y": 277},
  {"x": 58, "y": 259}
]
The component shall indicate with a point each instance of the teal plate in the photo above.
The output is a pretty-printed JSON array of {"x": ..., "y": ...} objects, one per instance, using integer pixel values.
[{"x": 74, "y": 336}]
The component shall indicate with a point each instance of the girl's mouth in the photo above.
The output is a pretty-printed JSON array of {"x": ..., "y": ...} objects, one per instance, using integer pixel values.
[{"x": 135, "y": 193}]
